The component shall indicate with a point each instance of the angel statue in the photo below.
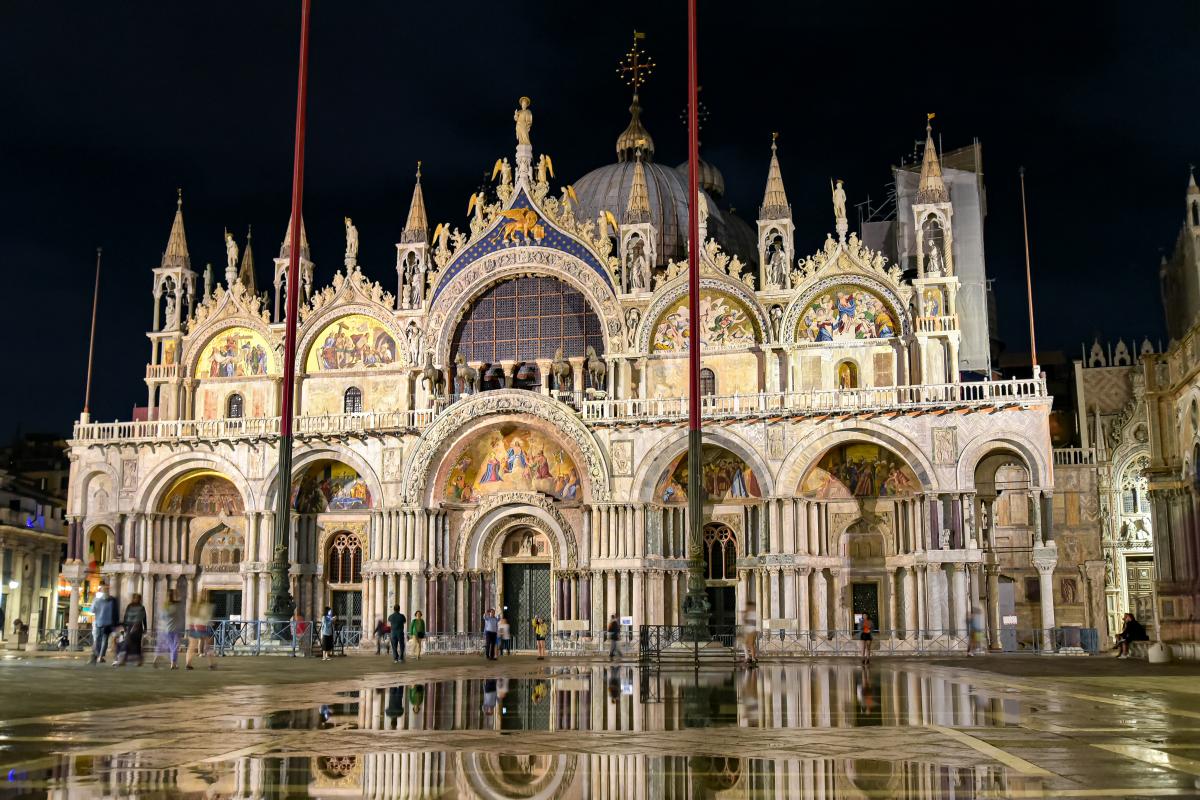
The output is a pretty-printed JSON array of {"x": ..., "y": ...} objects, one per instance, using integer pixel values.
[
  {"x": 351, "y": 242},
  {"x": 504, "y": 170},
  {"x": 524, "y": 119},
  {"x": 231, "y": 253},
  {"x": 545, "y": 168}
]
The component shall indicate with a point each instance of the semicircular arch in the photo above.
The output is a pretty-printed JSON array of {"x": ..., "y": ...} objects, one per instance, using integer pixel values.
[
  {"x": 307, "y": 458},
  {"x": 670, "y": 295},
  {"x": 483, "y": 528},
  {"x": 362, "y": 315},
  {"x": 984, "y": 444},
  {"x": 794, "y": 313},
  {"x": 154, "y": 490},
  {"x": 483, "y": 410},
  {"x": 457, "y": 295},
  {"x": 808, "y": 451},
  {"x": 654, "y": 465}
]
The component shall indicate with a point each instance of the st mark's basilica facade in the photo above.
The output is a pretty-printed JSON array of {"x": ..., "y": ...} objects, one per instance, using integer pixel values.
[{"x": 502, "y": 423}]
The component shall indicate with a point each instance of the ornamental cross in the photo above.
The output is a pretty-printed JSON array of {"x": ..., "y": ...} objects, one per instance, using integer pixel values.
[{"x": 636, "y": 66}]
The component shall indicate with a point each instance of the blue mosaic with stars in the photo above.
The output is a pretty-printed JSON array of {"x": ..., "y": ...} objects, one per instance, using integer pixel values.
[{"x": 491, "y": 242}]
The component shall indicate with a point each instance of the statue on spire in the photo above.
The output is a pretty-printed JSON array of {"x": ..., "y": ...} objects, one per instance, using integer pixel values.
[
  {"x": 839, "y": 201},
  {"x": 524, "y": 119},
  {"x": 231, "y": 254},
  {"x": 351, "y": 243}
]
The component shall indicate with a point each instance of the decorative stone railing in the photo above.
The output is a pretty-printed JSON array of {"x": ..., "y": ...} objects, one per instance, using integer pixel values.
[
  {"x": 1074, "y": 456},
  {"x": 978, "y": 394},
  {"x": 937, "y": 324},
  {"x": 162, "y": 370},
  {"x": 824, "y": 401}
]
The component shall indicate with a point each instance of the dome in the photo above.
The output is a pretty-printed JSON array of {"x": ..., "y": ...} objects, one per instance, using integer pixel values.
[
  {"x": 711, "y": 179},
  {"x": 607, "y": 188}
]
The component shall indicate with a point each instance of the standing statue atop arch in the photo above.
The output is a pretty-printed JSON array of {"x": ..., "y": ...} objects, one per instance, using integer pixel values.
[
  {"x": 351, "y": 243},
  {"x": 524, "y": 119},
  {"x": 839, "y": 201}
]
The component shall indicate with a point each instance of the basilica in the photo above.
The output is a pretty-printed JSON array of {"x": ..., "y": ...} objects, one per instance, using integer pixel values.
[{"x": 502, "y": 424}]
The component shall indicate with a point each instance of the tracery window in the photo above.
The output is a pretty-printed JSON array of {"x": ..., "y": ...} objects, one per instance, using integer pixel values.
[
  {"x": 720, "y": 552},
  {"x": 233, "y": 407},
  {"x": 526, "y": 319},
  {"x": 345, "y": 559},
  {"x": 352, "y": 400},
  {"x": 708, "y": 382}
]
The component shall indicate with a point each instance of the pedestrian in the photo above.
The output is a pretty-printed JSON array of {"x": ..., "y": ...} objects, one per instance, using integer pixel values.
[
  {"x": 328, "y": 625},
  {"x": 750, "y": 633},
  {"x": 134, "y": 623},
  {"x": 489, "y": 698},
  {"x": 299, "y": 629},
  {"x": 380, "y": 632},
  {"x": 416, "y": 630},
  {"x": 199, "y": 632},
  {"x": 104, "y": 619},
  {"x": 491, "y": 628},
  {"x": 416, "y": 696},
  {"x": 614, "y": 637},
  {"x": 976, "y": 624},
  {"x": 168, "y": 632},
  {"x": 504, "y": 631},
  {"x": 1132, "y": 631},
  {"x": 866, "y": 634},
  {"x": 397, "y": 621},
  {"x": 540, "y": 631}
]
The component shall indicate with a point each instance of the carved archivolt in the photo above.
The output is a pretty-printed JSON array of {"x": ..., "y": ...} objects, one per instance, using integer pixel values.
[
  {"x": 672, "y": 293},
  {"x": 515, "y": 262},
  {"x": 468, "y": 533},
  {"x": 226, "y": 309},
  {"x": 511, "y": 401},
  {"x": 313, "y": 326},
  {"x": 791, "y": 318}
]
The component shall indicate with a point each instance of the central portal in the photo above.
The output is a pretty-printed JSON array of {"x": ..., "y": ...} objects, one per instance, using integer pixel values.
[{"x": 526, "y": 595}]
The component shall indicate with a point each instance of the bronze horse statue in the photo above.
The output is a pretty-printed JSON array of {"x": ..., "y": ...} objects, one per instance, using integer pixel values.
[
  {"x": 560, "y": 368},
  {"x": 433, "y": 378},
  {"x": 597, "y": 370},
  {"x": 466, "y": 377}
]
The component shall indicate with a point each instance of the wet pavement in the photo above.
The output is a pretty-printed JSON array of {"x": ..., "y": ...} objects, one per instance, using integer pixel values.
[{"x": 460, "y": 728}]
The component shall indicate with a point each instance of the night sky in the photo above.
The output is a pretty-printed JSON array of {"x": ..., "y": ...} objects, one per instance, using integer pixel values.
[{"x": 108, "y": 107}]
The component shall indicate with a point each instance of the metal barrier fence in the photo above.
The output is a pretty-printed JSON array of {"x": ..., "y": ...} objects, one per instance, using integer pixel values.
[{"x": 653, "y": 640}]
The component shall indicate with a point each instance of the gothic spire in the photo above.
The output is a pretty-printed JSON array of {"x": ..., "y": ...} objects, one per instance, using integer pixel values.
[
  {"x": 1192, "y": 187},
  {"x": 775, "y": 202},
  {"x": 285, "y": 248},
  {"x": 417, "y": 227},
  {"x": 246, "y": 271},
  {"x": 931, "y": 189},
  {"x": 176, "y": 254},
  {"x": 637, "y": 209}
]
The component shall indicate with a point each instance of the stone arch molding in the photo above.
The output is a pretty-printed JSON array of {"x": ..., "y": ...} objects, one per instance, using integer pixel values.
[
  {"x": 151, "y": 492},
  {"x": 974, "y": 451},
  {"x": 452, "y": 302},
  {"x": 663, "y": 453},
  {"x": 671, "y": 294},
  {"x": 805, "y": 454},
  {"x": 331, "y": 313},
  {"x": 496, "y": 514},
  {"x": 305, "y": 457},
  {"x": 503, "y": 401},
  {"x": 792, "y": 314}
]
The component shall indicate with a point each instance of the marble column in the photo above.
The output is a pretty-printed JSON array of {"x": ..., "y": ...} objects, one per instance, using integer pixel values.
[
  {"x": 73, "y": 612},
  {"x": 993, "y": 602},
  {"x": 893, "y": 578},
  {"x": 820, "y": 603},
  {"x": 958, "y": 588},
  {"x": 803, "y": 604},
  {"x": 910, "y": 602},
  {"x": 1045, "y": 566}
]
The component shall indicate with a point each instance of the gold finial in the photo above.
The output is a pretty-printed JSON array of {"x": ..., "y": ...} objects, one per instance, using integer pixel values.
[
  {"x": 636, "y": 66},
  {"x": 774, "y": 140},
  {"x": 179, "y": 197},
  {"x": 249, "y": 233},
  {"x": 929, "y": 121},
  {"x": 418, "y": 171}
]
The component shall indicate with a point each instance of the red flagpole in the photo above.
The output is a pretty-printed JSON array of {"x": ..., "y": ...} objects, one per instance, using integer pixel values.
[
  {"x": 87, "y": 388},
  {"x": 281, "y": 599},
  {"x": 695, "y": 605},
  {"x": 1028, "y": 278}
]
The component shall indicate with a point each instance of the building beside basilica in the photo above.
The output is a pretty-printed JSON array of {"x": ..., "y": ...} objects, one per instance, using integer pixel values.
[{"x": 504, "y": 425}]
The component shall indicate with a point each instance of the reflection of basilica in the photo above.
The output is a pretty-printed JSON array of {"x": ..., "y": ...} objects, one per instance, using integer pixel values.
[
  {"x": 841, "y": 724},
  {"x": 525, "y": 380}
]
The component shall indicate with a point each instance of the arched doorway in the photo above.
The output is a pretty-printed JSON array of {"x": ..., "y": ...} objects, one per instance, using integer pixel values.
[
  {"x": 220, "y": 577},
  {"x": 343, "y": 573},
  {"x": 720, "y": 573},
  {"x": 525, "y": 584}
]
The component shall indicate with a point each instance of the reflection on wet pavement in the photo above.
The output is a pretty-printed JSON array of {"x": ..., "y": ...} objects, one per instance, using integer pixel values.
[{"x": 819, "y": 730}]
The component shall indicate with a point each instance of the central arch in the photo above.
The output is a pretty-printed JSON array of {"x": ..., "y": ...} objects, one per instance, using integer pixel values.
[
  {"x": 486, "y": 409},
  {"x": 484, "y": 527}
]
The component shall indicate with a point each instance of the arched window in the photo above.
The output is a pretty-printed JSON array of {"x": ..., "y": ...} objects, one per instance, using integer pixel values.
[
  {"x": 233, "y": 406},
  {"x": 352, "y": 400},
  {"x": 720, "y": 552},
  {"x": 1196, "y": 212},
  {"x": 708, "y": 382},
  {"x": 345, "y": 559},
  {"x": 847, "y": 375}
]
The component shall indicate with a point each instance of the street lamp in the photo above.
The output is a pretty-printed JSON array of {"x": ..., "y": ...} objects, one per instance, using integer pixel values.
[{"x": 13, "y": 584}]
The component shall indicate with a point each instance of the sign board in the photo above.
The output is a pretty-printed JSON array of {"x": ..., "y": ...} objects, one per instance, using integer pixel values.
[
  {"x": 627, "y": 622},
  {"x": 1009, "y": 620}
]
